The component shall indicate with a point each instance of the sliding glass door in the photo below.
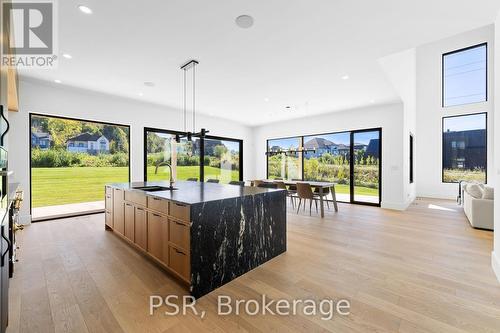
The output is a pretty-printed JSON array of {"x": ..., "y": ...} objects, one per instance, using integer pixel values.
[
  {"x": 365, "y": 186},
  {"x": 199, "y": 159},
  {"x": 350, "y": 159},
  {"x": 222, "y": 159},
  {"x": 70, "y": 162},
  {"x": 327, "y": 158}
]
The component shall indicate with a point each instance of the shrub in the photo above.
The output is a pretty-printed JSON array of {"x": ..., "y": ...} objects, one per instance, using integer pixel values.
[{"x": 58, "y": 158}]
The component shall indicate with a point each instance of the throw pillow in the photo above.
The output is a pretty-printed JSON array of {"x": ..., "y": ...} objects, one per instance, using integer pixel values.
[
  {"x": 475, "y": 191},
  {"x": 488, "y": 192}
]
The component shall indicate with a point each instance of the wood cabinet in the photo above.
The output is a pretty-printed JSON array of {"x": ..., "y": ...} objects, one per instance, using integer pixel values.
[
  {"x": 179, "y": 262},
  {"x": 158, "y": 227},
  {"x": 129, "y": 221},
  {"x": 118, "y": 211},
  {"x": 179, "y": 234},
  {"x": 158, "y": 237},
  {"x": 141, "y": 228}
]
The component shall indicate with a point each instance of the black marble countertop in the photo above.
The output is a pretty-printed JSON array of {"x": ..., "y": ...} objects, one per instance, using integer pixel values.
[{"x": 196, "y": 192}]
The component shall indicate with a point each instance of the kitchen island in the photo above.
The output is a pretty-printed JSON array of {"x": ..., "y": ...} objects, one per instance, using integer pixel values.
[{"x": 205, "y": 234}]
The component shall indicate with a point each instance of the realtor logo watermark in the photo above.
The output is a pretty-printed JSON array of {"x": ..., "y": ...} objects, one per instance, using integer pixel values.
[
  {"x": 325, "y": 309},
  {"x": 32, "y": 31}
]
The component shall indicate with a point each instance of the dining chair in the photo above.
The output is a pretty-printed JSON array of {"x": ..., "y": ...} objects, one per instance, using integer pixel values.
[
  {"x": 267, "y": 185},
  {"x": 192, "y": 179},
  {"x": 290, "y": 194},
  {"x": 304, "y": 191},
  {"x": 256, "y": 183},
  {"x": 237, "y": 182},
  {"x": 213, "y": 181}
]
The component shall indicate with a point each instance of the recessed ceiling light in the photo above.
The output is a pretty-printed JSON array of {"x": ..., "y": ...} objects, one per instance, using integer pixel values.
[
  {"x": 244, "y": 21},
  {"x": 149, "y": 84},
  {"x": 57, "y": 81},
  {"x": 345, "y": 77},
  {"x": 85, "y": 9},
  {"x": 140, "y": 94},
  {"x": 372, "y": 101},
  {"x": 67, "y": 56},
  {"x": 266, "y": 99}
]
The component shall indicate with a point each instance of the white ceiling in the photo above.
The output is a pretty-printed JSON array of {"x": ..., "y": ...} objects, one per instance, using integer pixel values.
[{"x": 295, "y": 54}]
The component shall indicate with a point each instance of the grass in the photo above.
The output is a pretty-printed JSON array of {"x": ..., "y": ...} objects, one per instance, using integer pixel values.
[
  {"x": 186, "y": 172},
  {"x": 456, "y": 175},
  {"x": 59, "y": 186}
]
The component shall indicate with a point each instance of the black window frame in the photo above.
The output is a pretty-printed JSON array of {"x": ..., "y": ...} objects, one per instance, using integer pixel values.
[
  {"x": 442, "y": 74},
  {"x": 486, "y": 143},
  {"x": 202, "y": 150},
  {"x": 31, "y": 114},
  {"x": 412, "y": 151},
  {"x": 351, "y": 161}
]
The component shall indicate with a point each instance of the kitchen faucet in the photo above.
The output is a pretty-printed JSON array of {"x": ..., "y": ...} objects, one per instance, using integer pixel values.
[{"x": 171, "y": 174}]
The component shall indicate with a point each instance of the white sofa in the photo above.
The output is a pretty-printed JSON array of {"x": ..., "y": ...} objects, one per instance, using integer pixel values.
[{"x": 478, "y": 205}]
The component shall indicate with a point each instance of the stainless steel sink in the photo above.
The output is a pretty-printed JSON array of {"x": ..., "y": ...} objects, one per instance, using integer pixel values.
[{"x": 154, "y": 188}]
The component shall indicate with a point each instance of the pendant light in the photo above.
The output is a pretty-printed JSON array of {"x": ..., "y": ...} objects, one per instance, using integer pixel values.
[{"x": 190, "y": 66}]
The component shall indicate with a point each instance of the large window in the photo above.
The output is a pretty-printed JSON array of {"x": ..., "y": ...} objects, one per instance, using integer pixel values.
[
  {"x": 465, "y": 76},
  {"x": 211, "y": 158},
  {"x": 464, "y": 148},
  {"x": 284, "y": 159},
  {"x": 351, "y": 159},
  {"x": 71, "y": 161}
]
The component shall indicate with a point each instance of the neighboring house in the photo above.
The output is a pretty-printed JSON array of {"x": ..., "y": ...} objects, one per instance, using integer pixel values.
[
  {"x": 464, "y": 149},
  {"x": 88, "y": 143},
  {"x": 322, "y": 146},
  {"x": 373, "y": 148},
  {"x": 40, "y": 140}
]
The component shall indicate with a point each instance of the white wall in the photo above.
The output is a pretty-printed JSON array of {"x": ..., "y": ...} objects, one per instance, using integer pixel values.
[
  {"x": 495, "y": 256},
  {"x": 400, "y": 69},
  {"x": 388, "y": 117},
  {"x": 430, "y": 111},
  {"x": 46, "y": 98}
]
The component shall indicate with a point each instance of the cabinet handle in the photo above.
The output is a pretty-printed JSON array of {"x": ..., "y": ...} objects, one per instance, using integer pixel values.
[
  {"x": 178, "y": 223},
  {"x": 127, "y": 204},
  {"x": 179, "y": 204},
  {"x": 139, "y": 208},
  {"x": 179, "y": 252},
  {"x": 156, "y": 215},
  {"x": 156, "y": 199}
]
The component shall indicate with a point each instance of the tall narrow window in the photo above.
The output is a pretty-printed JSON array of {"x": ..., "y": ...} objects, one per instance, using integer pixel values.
[
  {"x": 465, "y": 76},
  {"x": 464, "y": 148},
  {"x": 411, "y": 158}
]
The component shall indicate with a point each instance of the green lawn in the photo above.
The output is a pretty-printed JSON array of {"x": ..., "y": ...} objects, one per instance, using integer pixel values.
[
  {"x": 185, "y": 172},
  {"x": 344, "y": 189},
  {"x": 59, "y": 186}
]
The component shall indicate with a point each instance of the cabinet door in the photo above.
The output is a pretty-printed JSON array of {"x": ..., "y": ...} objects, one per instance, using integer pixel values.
[
  {"x": 158, "y": 237},
  {"x": 179, "y": 262},
  {"x": 109, "y": 218},
  {"x": 118, "y": 211},
  {"x": 141, "y": 228},
  {"x": 129, "y": 221}
]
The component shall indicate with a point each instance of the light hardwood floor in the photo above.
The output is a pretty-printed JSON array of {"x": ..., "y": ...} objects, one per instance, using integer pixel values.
[{"x": 423, "y": 270}]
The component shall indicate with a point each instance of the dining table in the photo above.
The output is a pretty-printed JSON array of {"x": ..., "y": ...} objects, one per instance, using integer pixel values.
[{"x": 321, "y": 186}]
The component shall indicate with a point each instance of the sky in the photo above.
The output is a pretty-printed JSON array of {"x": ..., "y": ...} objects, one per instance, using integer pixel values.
[
  {"x": 465, "y": 123},
  {"x": 338, "y": 138}
]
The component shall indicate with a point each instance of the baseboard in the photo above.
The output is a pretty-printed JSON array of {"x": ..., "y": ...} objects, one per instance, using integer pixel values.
[
  {"x": 395, "y": 206},
  {"x": 495, "y": 264}
]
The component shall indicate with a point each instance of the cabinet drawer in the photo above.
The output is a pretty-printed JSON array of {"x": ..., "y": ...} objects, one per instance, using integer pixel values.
[
  {"x": 179, "y": 234},
  {"x": 117, "y": 194},
  {"x": 136, "y": 197},
  {"x": 180, "y": 211},
  {"x": 108, "y": 190},
  {"x": 179, "y": 262},
  {"x": 108, "y": 218},
  {"x": 158, "y": 204},
  {"x": 109, "y": 202}
]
